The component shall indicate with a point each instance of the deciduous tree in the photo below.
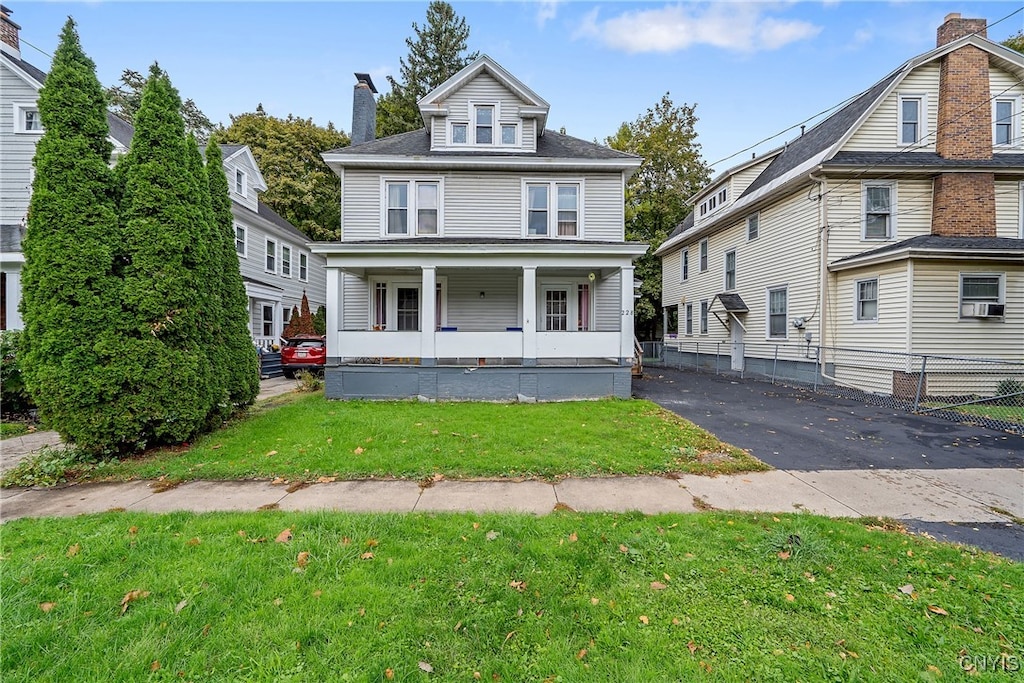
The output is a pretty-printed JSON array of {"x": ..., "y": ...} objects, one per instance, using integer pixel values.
[
  {"x": 126, "y": 98},
  {"x": 300, "y": 186},
  {"x": 437, "y": 52},
  {"x": 672, "y": 170}
]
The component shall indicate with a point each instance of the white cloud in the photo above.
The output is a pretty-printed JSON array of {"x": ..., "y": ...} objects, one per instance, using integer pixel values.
[
  {"x": 546, "y": 11},
  {"x": 730, "y": 26}
]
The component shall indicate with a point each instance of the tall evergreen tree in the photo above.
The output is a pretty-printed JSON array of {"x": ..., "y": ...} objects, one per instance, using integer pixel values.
[
  {"x": 70, "y": 301},
  {"x": 436, "y": 54},
  {"x": 126, "y": 98},
  {"x": 235, "y": 350},
  {"x": 167, "y": 384}
]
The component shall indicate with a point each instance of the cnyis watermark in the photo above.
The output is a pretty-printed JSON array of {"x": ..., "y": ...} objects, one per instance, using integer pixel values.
[{"x": 1000, "y": 662}]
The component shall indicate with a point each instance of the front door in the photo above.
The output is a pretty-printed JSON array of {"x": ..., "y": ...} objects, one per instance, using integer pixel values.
[{"x": 736, "y": 337}]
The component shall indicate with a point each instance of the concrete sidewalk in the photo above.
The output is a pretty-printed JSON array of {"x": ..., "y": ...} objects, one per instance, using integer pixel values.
[{"x": 977, "y": 496}]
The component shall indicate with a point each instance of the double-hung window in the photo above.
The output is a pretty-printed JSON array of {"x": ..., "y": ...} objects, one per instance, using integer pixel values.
[
  {"x": 866, "y": 305},
  {"x": 240, "y": 242},
  {"x": 240, "y": 182},
  {"x": 271, "y": 256},
  {"x": 413, "y": 207},
  {"x": 541, "y": 221},
  {"x": 879, "y": 211},
  {"x": 484, "y": 125},
  {"x": 1004, "y": 130},
  {"x": 753, "y": 227},
  {"x": 286, "y": 261},
  {"x": 778, "y": 309},
  {"x": 268, "y": 321},
  {"x": 912, "y": 129},
  {"x": 303, "y": 267},
  {"x": 703, "y": 255},
  {"x": 26, "y": 118},
  {"x": 684, "y": 257},
  {"x": 730, "y": 270},
  {"x": 704, "y": 316},
  {"x": 689, "y": 320}
]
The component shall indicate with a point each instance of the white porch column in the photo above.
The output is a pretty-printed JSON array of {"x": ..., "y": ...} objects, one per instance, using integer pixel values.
[
  {"x": 428, "y": 316},
  {"x": 529, "y": 315},
  {"x": 627, "y": 313},
  {"x": 13, "y": 296},
  {"x": 334, "y": 303}
]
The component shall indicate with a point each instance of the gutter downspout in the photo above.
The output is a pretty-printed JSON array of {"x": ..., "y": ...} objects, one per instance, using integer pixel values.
[{"x": 822, "y": 268}]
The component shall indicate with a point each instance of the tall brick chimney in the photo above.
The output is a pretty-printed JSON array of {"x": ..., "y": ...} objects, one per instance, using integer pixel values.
[
  {"x": 9, "y": 42},
  {"x": 963, "y": 204},
  {"x": 364, "y": 110}
]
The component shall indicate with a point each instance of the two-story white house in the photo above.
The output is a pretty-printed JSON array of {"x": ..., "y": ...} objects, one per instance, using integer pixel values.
[
  {"x": 276, "y": 263},
  {"x": 482, "y": 257},
  {"x": 895, "y": 225},
  {"x": 275, "y": 259}
]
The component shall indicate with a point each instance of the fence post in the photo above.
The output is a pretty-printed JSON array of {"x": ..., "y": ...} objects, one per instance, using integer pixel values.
[
  {"x": 698, "y": 356},
  {"x": 920, "y": 382},
  {"x": 817, "y": 366},
  {"x": 718, "y": 355},
  {"x": 775, "y": 363}
]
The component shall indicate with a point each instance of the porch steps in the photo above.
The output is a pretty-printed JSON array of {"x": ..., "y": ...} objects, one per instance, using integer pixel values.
[
  {"x": 638, "y": 358},
  {"x": 270, "y": 365}
]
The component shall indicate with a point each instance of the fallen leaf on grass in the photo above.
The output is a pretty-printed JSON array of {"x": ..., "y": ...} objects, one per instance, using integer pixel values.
[
  {"x": 594, "y": 601},
  {"x": 658, "y": 586},
  {"x": 366, "y": 556},
  {"x": 358, "y": 450},
  {"x": 132, "y": 531},
  {"x": 215, "y": 447},
  {"x": 47, "y": 606},
  {"x": 284, "y": 537},
  {"x": 132, "y": 596},
  {"x": 623, "y": 548},
  {"x": 704, "y": 665},
  {"x": 326, "y": 480},
  {"x": 784, "y": 555},
  {"x": 389, "y": 674},
  {"x": 581, "y": 654},
  {"x": 789, "y": 597},
  {"x": 279, "y": 480},
  {"x": 934, "y": 669},
  {"x": 937, "y": 610},
  {"x": 907, "y": 589},
  {"x": 303, "y": 559},
  {"x": 192, "y": 542},
  {"x": 644, "y": 620},
  {"x": 155, "y": 666},
  {"x": 73, "y": 550},
  {"x": 180, "y": 606},
  {"x": 692, "y": 647},
  {"x": 425, "y": 666},
  {"x": 493, "y": 535},
  {"x": 271, "y": 453},
  {"x": 573, "y": 537},
  {"x": 518, "y": 585}
]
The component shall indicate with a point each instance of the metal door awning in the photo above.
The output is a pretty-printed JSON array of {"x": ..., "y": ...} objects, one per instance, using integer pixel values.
[{"x": 732, "y": 306}]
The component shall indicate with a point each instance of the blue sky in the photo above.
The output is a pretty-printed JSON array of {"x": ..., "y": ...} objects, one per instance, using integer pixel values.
[{"x": 752, "y": 69}]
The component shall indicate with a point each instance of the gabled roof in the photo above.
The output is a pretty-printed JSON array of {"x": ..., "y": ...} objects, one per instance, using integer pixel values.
[
  {"x": 433, "y": 101},
  {"x": 232, "y": 152},
  {"x": 121, "y": 131},
  {"x": 820, "y": 145}
]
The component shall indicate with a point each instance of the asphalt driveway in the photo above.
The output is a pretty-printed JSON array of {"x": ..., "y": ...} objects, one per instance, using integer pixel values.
[{"x": 794, "y": 428}]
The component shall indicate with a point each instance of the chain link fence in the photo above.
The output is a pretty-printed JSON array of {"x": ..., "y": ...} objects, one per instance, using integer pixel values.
[{"x": 983, "y": 391}]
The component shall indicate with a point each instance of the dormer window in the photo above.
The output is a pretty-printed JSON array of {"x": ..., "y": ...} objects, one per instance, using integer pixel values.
[
  {"x": 508, "y": 134},
  {"x": 240, "y": 182},
  {"x": 1005, "y": 125},
  {"x": 459, "y": 133},
  {"x": 715, "y": 201},
  {"x": 484, "y": 129},
  {"x": 913, "y": 128}
]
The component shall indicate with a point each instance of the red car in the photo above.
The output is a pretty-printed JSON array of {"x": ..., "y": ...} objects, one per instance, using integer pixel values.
[{"x": 303, "y": 352}]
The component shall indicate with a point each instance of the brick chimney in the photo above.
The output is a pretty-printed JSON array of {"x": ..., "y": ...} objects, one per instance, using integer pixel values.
[
  {"x": 9, "y": 42},
  {"x": 364, "y": 110},
  {"x": 963, "y": 204}
]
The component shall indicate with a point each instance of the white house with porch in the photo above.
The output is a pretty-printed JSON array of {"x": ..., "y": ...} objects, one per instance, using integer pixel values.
[{"x": 482, "y": 257}]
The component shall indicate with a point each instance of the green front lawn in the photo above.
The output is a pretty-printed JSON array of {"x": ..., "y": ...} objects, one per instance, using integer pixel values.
[
  {"x": 307, "y": 437},
  {"x": 11, "y": 429},
  {"x": 564, "y": 597}
]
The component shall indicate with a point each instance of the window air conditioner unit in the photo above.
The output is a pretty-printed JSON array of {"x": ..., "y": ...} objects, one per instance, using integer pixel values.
[{"x": 982, "y": 310}]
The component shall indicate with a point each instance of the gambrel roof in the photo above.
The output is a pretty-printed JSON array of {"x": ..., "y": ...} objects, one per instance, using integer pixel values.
[{"x": 820, "y": 146}]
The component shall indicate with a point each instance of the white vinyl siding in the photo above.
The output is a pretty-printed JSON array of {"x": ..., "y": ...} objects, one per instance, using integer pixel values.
[
  {"x": 1006, "y": 87},
  {"x": 879, "y": 201},
  {"x": 881, "y": 132},
  {"x": 730, "y": 270},
  {"x": 485, "y": 91},
  {"x": 270, "y": 256},
  {"x": 865, "y": 303},
  {"x": 18, "y": 150},
  {"x": 913, "y": 205},
  {"x": 890, "y": 330},
  {"x": 777, "y": 313},
  {"x": 241, "y": 244},
  {"x": 1010, "y": 209}
]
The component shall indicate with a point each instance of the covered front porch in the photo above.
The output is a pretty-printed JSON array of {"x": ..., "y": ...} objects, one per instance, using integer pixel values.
[{"x": 563, "y": 314}]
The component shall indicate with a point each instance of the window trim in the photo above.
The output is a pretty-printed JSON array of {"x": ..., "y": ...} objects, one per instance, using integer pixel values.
[
  {"x": 267, "y": 256},
  {"x": 684, "y": 264},
  {"x": 703, "y": 258},
  {"x": 922, "y": 119},
  {"x": 1001, "y": 279},
  {"x": 572, "y": 312},
  {"x": 18, "y": 110},
  {"x": 768, "y": 313},
  {"x": 552, "y": 230},
  {"x": 725, "y": 268},
  {"x": 241, "y": 177},
  {"x": 451, "y": 133},
  {"x": 286, "y": 263},
  {"x": 705, "y": 314},
  {"x": 1015, "y": 123},
  {"x": 303, "y": 267},
  {"x": 411, "y": 183},
  {"x": 892, "y": 186},
  {"x": 391, "y": 286},
  {"x": 245, "y": 241},
  {"x": 474, "y": 108},
  {"x": 755, "y": 219},
  {"x": 688, "y": 320},
  {"x": 857, "y": 319}
]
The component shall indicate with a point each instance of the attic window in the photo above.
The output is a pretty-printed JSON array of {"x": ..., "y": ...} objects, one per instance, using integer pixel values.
[
  {"x": 26, "y": 118},
  {"x": 484, "y": 132},
  {"x": 715, "y": 201},
  {"x": 240, "y": 182}
]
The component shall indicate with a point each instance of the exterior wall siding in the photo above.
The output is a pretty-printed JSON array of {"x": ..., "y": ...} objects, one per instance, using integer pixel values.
[
  {"x": 880, "y": 132},
  {"x": 889, "y": 331},
  {"x": 938, "y": 328},
  {"x": 498, "y": 309},
  {"x": 249, "y": 200},
  {"x": 1008, "y": 209},
  {"x": 484, "y": 89},
  {"x": 17, "y": 149},
  {"x": 845, "y": 215},
  {"x": 466, "y": 214}
]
